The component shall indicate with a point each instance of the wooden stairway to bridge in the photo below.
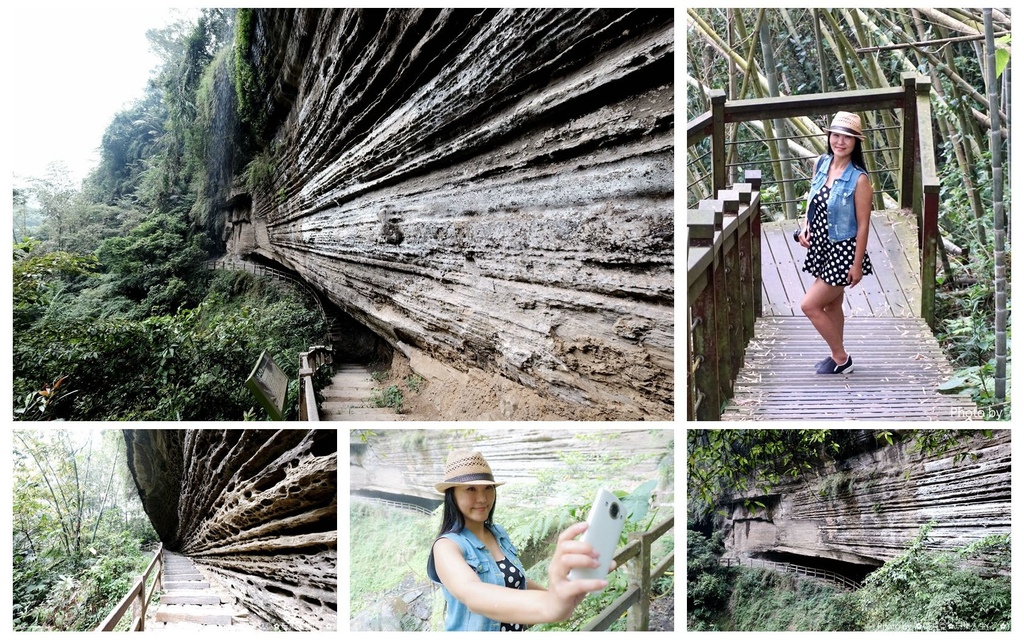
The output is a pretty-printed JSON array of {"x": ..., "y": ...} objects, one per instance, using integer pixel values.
[{"x": 898, "y": 363}]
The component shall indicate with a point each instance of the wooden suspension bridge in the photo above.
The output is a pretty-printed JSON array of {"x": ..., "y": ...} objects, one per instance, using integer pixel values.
[{"x": 751, "y": 353}]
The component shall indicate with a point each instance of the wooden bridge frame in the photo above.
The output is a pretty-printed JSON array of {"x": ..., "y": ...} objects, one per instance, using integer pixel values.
[
  {"x": 723, "y": 236},
  {"x": 138, "y": 597}
]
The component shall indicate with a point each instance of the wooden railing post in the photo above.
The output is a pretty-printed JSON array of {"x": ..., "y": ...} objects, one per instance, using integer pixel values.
[
  {"x": 702, "y": 262},
  {"x": 746, "y": 293},
  {"x": 639, "y": 616},
  {"x": 929, "y": 201},
  {"x": 908, "y": 151},
  {"x": 718, "y": 178},
  {"x": 753, "y": 178},
  {"x": 731, "y": 202}
]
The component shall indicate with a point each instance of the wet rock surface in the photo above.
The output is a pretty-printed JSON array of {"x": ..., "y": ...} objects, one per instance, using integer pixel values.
[{"x": 490, "y": 191}]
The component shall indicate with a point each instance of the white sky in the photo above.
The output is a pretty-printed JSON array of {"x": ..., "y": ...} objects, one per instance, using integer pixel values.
[{"x": 71, "y": 69}]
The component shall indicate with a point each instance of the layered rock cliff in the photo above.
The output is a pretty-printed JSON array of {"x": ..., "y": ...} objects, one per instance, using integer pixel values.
[
  {"x": 258, "y": 508},
  {"x": 410, "y": 463},
  {"x": 865, "y": 509},
  {"x": 489, "y": 191}
]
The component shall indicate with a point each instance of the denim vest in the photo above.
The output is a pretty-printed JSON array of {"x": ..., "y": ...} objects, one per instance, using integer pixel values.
[
  {"x": 459, "y": 617},
  {"x": 842, "y": 211}
]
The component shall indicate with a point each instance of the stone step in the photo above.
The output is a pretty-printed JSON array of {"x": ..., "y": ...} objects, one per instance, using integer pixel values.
[
  {"x": 356, "y": 411},
  {"x": 199, "y": 614},
  {"x": 344, "y": 394},
  {"x": 186, "y": 585},
  {"x": 190, "y": 598}
]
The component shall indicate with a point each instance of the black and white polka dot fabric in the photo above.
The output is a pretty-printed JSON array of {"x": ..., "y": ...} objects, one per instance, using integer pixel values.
[
  {"x": 830, "y": 261},
  {"x": 514, "y": 579}
]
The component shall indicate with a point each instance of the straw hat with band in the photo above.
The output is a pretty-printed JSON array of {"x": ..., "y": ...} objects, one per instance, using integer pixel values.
[
  {"x": 466, "y": 468},
  {"x": 847, "y": 124}
]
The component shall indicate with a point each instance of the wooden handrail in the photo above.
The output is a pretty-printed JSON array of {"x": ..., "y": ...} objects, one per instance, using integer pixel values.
[
  {"x": 636, "y": 599},
  {"x": 137, "y": 598},
  {"x": 309, "y": 362}
]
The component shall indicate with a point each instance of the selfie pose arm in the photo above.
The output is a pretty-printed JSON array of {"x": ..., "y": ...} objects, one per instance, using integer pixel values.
[{"x": 533, "y": 605}]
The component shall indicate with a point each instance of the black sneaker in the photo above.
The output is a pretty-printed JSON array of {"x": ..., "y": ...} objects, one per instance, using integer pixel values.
[
  {"x": 822, "y": 362},
  {"x": 830, "y": 366}
]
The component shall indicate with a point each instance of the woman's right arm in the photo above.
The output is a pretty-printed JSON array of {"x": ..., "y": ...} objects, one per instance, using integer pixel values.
[{"x": 528, "y": 606}]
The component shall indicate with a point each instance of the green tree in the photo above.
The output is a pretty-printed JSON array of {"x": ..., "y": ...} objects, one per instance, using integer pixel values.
[
  {"x": 157, "y": 264},
  {"x": 56, "y": 193},
  {"x": 77, "y": 537}
]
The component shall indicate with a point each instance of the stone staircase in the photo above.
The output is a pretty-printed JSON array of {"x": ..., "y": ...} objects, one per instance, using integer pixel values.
[
  {"x": 188, "y": 598},
  {"x": 347, "y": 398}
]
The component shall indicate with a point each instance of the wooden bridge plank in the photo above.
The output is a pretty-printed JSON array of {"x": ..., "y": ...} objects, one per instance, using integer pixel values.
[
  {"x": 775, "y": 301},
  {"x": 893, "y": 290},
  {"x": 898, "y": 366}
]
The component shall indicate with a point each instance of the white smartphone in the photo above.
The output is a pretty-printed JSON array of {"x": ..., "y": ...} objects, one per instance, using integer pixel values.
[{"x": 606, "y": 519}]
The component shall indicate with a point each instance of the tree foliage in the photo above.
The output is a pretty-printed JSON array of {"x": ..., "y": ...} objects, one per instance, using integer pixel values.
[
  {"x": 926, "y": 590},
  {"x": 78, "y": 528},
  {"x": 116, "y": 316}
]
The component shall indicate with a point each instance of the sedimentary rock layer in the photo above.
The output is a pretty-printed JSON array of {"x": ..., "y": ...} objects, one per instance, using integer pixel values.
[
  {"x": 867, "y": 508},
  {"x": 412, "y": 462},
  {"x": 256, "y": 507},
  {"x": 490, "y": 189}
]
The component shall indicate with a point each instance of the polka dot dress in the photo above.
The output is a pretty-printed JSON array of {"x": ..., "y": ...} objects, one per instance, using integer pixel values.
[
  {"x": 830, "y": 261},
  {"x": 514, "y": 579}
]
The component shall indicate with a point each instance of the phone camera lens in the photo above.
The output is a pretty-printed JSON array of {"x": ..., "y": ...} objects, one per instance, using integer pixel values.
[{"x": 614, "y": 510}]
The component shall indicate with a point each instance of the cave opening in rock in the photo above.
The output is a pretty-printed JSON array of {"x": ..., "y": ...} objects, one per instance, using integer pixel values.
[{"x": 852, "y": 570}]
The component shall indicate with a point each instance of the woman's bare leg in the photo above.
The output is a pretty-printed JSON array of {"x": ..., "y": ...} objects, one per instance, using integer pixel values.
[{"x": 823, "y": 306}]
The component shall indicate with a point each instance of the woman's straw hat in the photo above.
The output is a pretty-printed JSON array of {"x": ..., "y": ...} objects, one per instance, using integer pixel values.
[
  {"x": 847, "y": 124},
  {"x": 466, "y": 468}
]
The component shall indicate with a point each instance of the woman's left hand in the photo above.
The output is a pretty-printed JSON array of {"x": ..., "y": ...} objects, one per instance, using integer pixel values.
[{"x": 856, "y": 275}]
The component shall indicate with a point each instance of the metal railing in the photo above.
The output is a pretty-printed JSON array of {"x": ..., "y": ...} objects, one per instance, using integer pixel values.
[
  {"x": 831, "y": 577},
  {"x": 637, "y": 598},
  {"x": 392, "y": 504},
  {"x": 138, "y": 597}
]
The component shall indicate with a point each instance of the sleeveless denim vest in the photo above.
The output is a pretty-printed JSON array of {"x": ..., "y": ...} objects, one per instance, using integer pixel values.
[
  {"x": 842, "y": 211},
  {"x": 459, "y": 617}
]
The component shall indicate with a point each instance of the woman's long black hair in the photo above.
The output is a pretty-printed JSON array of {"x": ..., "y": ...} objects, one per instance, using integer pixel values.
[
  {"x": 451, "y": 518},
  {"x": 856, "y": 156}
]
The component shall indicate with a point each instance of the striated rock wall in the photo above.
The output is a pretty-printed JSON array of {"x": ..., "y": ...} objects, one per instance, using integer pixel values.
[
  {"x": 411, "y": 462},
  {"x": 866, "y": 509},
  {"x": 258, "y": 508},
  {"x": 490, "y": 191}
]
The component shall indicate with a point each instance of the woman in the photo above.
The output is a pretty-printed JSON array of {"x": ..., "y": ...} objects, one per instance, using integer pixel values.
[
  {"x": 836, "y": 235},
  {"x": 476, "y": 564}
]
